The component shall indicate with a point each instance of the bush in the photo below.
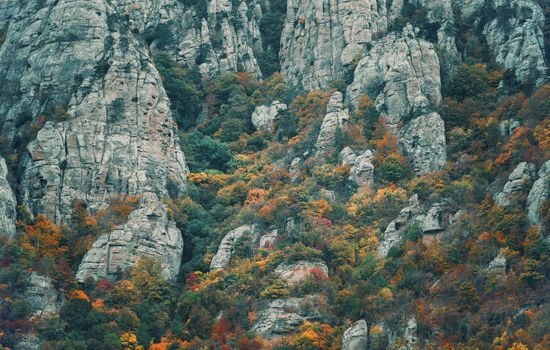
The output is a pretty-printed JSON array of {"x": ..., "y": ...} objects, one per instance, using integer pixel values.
[{"x": 205, "y": 153}]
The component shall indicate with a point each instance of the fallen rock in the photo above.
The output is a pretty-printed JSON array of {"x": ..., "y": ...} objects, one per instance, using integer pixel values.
[
  {"x": 434, "y": 221},
  {"x": 8, "y": 203},
  {"x": 148, "y": 233},
  {"x": 222, "y": 259},
  {"x": 297, "y": 272}
]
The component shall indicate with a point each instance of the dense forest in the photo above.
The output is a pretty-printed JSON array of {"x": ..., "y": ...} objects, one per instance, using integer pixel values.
[{"x": 308, "y": 217}]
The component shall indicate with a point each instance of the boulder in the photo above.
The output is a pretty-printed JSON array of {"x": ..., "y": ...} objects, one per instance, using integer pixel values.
[
  {"x": 147, "y": 233},
  {"x": 297, "y": 272},
  {"x": 8, "y": 203},
  {"x": 362, "y": 171},
  {"x": 222, "y": 259},
  {"x": 434, "y": 221},
  {"x": 265, "y": 116}
]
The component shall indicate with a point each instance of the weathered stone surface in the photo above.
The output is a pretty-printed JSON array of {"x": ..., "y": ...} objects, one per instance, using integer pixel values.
[
  {"x": 269, "y": 240},
  {"x": 222, "y": 259},
  {"x": 336, "y": 118},
  {"x": 355, "y": 337},
  {"x": 222, "y": 37},
  {"x": 401, "y": 73},
  {"x": 517, "y": 39},
  {"x": 434, "y": 221},
  {"x": 538, "y": 193},
  {"x": 296, "y": 272},
  {"x": 42, "y": 296},
  {"x": 498, "y": 264},
  {"x": 8, "y": 203},
  {"x": 264, "y": 116},
  {"x": 423, "y": 140},
  {"x": 518, "y": 184},
  {"x": 362, "y": 171},
  {"x": 321, "y": 38},
  {"x": 295, "y": 169},
  {"x": 392, "y": 234},
  {"x": 148, "y": 233},
  {"x": 282, "y": 317}
]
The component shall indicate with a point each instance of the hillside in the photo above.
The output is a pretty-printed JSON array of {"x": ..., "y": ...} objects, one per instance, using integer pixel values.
[{"x": 269, "y": 174}]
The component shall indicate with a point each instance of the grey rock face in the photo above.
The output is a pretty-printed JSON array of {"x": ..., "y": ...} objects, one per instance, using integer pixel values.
[
  {"x": 409, "y": 335},
  {"x": 321, "y": 38},
  {"x": 285, "y": 316},
  {"x": 223, "y": 37},
  {"x": 392, "y": 234},
  {"x": 518, "y": 184},
  {"x": 148, "y": 233},
  {"x": 433, "y": 221},
  {"x": 362, "y": 169},
  {"x": 119, "y": 138},
  {"x": 8, "y": 203},
  {"x": 295, "y": 169},
  {"x": 222, "y": 259},
  {"x": 498, "y": 264},
  {"x": 401, "y": 74},
  {"x": 269, "y": 240},
  {"x": 538, "y": 193},
  {"x": 518, "y": 42},
  {"x": 423, "y": 140},
  {"x": 264, "y": 117},
  {"x": 297, "y": 272},
  {"x": 355, "y": 337},
  {"x": 42, "y": 296},
  {"x": 336, "y": 117}
]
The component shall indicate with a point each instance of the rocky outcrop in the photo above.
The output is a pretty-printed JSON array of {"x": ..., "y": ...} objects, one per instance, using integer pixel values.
[
  {"x": 42, "y": 296},
  {"x": 282, "y": 317},
  {"x": 269, "y": 240},
  {"x": 336, "y": 118},
  {"x": 148, "y": 233},
  {"x": 516, "y": 38},
  {"x": 394, "y": 231},
  {"x": 322, "y": 38},
  {"x": 295, "y": 169},
  {"x": 498, "y": 265},
  {"x": 222, "y": 259},
  {"x": 216, "y": 35},
  {"x": 423, "y": 141},
  {"x": 518, "y": 184},
  {"x": 356, "y": 337},
  {"x": 110, "y": 130},
  {"x": 401, "y": 73},
  {"x": 264, "y": 117},
  {"x": 297, "y": 272},
  {"x": 8, "y": 203},
  {"x": 434, "y": 220},
  {"x": 538, "y": 194},
  {"x": 362, "y": 169}
]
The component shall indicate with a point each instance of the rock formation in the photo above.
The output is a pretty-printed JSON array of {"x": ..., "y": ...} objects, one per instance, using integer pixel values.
[
  {"x": 296, "y": 272},
  {"x": 42, "y": 296},
  {"x": 423, "y": 141},
  {"x": 362, "y": 169},
  {"x": 355, "y": 337},
  {"x": 434, "y": 219},
  {"x": 8, "y": 203},
  {"x": 336, "y": 118},
  {"x": 394, "y": 231},
  {"x": 538, "y": 193},
  {"x": 282, "y": 317},
  {"x": 498, "y": 264},
  {"x": 401, "y": 74},
  {"x": 148, "y": 233},
  {"x": 517, "y": 186},
  {"x": 269, "y": 240},
  {"x": 264, "y": 116},
  {"x": 222, "y": 259},
  {"x": 322, "y": 38}
]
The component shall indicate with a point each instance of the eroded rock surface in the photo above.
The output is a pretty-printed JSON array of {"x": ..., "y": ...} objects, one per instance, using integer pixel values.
[
  {"x": 265, "y": 116},
  {"x": 538, "y": 194},
  {"x": 394, "y": 231},
  {"x": 8, "y": 203},
  {"x": 148, "y": 233},
  {"x": 42, "y": 296},
  {"x": 222, "y": 259},
  {"x": 518, "y": 184},
  {"x": 355, "y": 337},
  {"x": 297, "y": 272},
  {"x": 337, "y": 117}
]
